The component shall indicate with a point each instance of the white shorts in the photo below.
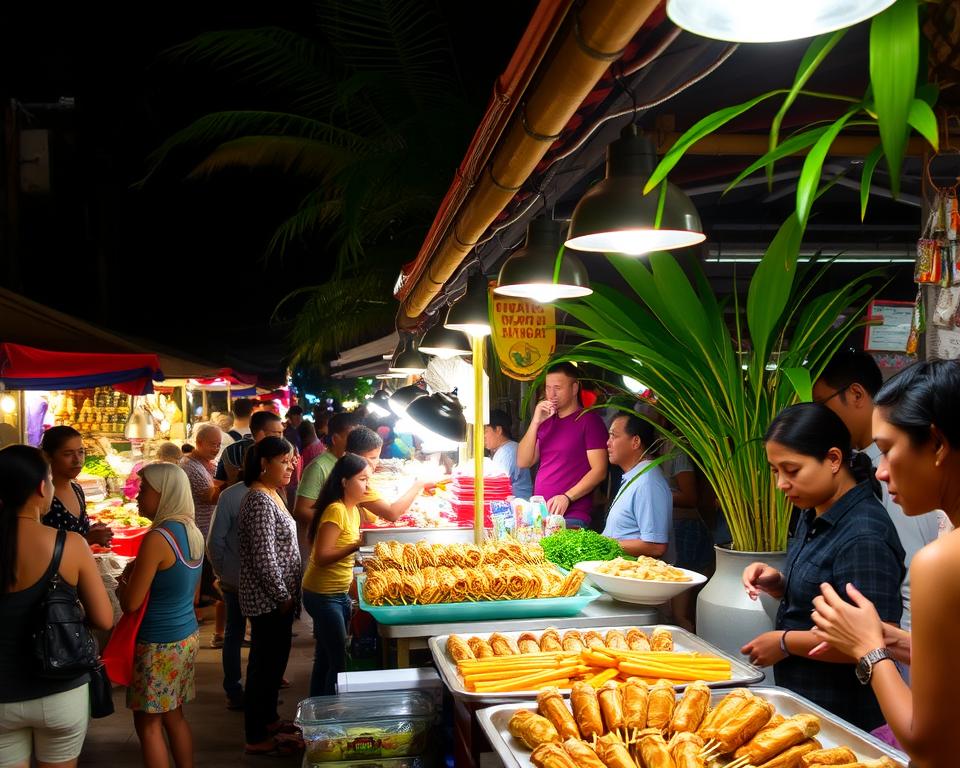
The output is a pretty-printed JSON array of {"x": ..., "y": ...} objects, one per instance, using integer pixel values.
[{"x": 51, "y": 728}]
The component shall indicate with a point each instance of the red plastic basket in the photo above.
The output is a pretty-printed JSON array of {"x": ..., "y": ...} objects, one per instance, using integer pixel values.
[{"x": 127, "y": 541}]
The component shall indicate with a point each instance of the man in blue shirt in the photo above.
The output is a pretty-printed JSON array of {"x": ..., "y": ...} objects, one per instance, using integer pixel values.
[
  {"x": 641, "y": 515},
  {"x": 498, "y": 439}
]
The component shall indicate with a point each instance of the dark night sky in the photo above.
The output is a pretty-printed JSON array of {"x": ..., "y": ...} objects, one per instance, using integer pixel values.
[{"x": 179, "y": 259}]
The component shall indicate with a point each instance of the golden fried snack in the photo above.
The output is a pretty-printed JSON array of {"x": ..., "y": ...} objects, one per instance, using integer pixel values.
[
  {"x": 661, "y": 640},
  {"x": 553, "y": 707},
  {"x": 660, "y": 705},
  {"x": 614, "y": 752},
  {"x": 458, "y": 649},
  {"x": 835, "y": 756},
  {"x": 634, "y": 693},
  {"x": 773, "y": 722},
  {"x": 593, "y": 639},
  {"x": 691, "y": 709},
  {"x": 504, "y": 646},
  {"x": 637, "y": 640},
  {"x": 532, "y": 729},
  {"x": 527, "y": 643},
  {"x": 571, "y": 584},
  {"x": 551, "y": 756},
  {"x": 685, "y": 749},
  {"x": 744, "y": 726},
  {"x": 611, "y": 706},
  {"x": 581, "y": 754},
  {"x": 480, "y": 647},
  {"x": 616, "y": 639},
  {"x": 586, "y": 710},
  {"x": 792, "y": 731},
  {"x": 572, "y": 641},
  {"x": 729, "y": 705},
  {"x": 550, "y": 640},
  {"x": 653, "y": 749},
  {"x": 793, "y": 757},
  {"x": 426, "y": 554}
]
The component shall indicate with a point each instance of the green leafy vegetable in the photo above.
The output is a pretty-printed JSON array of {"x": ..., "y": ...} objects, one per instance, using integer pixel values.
[{"x": 575, "y": 545}]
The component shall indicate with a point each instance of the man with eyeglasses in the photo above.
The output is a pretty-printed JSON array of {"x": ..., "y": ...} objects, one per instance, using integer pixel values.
[{"x": 847, "y": 387}]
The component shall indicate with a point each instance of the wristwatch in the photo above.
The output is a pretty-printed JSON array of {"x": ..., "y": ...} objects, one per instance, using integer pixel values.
[{"x": 866, "y": 662}]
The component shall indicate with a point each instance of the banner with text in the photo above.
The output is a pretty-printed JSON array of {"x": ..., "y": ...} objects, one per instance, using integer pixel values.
[{"x": 524, "y": 335}]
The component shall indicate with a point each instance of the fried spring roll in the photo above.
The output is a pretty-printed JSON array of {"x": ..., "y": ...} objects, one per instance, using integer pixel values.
[
  {"x": 527, "y": 643},
  {"x": 593, "y": 639},
  {"x": 572, "y": 641},
  {"x": 685, "y": 749},
  {"x": 835, "y": 756},
  {"x": 772, "y": 723},
  {"x": 728, "y": 706},
  {"x": 616, "y": 639},
  {"x": 581, "y": 753},
  {"x": 744, "y": 725},
  {"x": 661, "y": 640},
  {"x": 793, "y": 757},
  {"x": 792, "y": 731},
  {"x": 504, "y": 646},
  {"x": 653, "y": 749},
  {"x": 691, "y": 709},
  {"x": 634, "y": 693},
  {"x": 551, "y": 756},
  {"x": 637, "y": 640},
  {"x": 480, "y": 647},
  {"x": 586, "y": 710},
  {"x": 615, "y": 754},
  {"x": 611, "y": 706},
  {"x": 660, "y": 705},
  {"x": 458, "y": 648},
  {"x": 550, "y": 640},
  {"x": 553, "y": 708},
  {"x": 532, "y": 729}
]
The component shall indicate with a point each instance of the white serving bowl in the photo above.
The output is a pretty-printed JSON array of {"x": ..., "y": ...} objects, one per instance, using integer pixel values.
[{"x": 640, "y": 591}]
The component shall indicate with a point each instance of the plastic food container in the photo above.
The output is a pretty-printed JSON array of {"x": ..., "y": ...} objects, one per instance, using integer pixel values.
[
  {"x": 355, "y": 727},
  {"x": 127, "y": 541}
]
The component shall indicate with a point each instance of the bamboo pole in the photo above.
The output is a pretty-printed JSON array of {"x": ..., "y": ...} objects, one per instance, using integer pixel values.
[{"x": 478, "y": 343}]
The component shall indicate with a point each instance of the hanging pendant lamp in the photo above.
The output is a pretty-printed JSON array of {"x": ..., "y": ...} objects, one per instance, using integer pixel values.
[
  {"x": 439, "y": 414},
  {"x": 471, "y": 313},
  {"x": 403, "y": 397},
  {"x": 379, "y": 404},
  {"x": 444, "y": 342},
  {"x": 614, "y": 216},
  {"x": 408, "y": 360},
  {"x": 769, "y": 21},
  {"x": 532, "y": 272}
]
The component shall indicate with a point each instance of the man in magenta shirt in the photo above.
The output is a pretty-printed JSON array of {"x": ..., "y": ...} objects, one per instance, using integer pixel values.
[{"x": 570, "y": 445}]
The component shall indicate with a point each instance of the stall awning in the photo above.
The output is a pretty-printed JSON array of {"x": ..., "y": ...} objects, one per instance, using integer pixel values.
[{"x": 28, "y": 368}]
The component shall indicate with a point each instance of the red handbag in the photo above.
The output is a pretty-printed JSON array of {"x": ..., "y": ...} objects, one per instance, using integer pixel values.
[{"x": 118, "y": 654}]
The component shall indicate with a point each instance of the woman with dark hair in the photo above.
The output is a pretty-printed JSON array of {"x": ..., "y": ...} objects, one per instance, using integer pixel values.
[
  {"x": 843, "y": 536},
  {"x": 334, "y": 537},
  {"x": 916, "y": 425},
  {"x": 43, "y": 717},
  {"x": 269, "y": 592},
  {"x": 63, "y": 447}
]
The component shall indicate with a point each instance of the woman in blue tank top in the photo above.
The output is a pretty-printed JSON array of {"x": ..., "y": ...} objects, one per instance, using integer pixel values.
[{"x": 165, "y": 573}]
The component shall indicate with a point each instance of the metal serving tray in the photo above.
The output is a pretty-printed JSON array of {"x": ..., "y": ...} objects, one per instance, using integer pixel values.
[
  {"x": 403, "y": 534},
  {"x": 741, "y": 673},
  {"x": 834, "y": 732}
]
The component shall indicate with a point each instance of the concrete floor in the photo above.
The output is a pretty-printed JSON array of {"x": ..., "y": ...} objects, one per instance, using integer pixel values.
[{"x": 217, "y": 732}]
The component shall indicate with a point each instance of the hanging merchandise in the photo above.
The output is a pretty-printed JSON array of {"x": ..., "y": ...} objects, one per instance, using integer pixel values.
[
  {"x": 929, "y": 263},
  {"x": 918, "y": 326},
  {"x": 945, "y": 311}
]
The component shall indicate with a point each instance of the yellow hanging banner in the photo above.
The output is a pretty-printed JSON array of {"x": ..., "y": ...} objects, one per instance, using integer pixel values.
[{"x": 524, "y": 335}]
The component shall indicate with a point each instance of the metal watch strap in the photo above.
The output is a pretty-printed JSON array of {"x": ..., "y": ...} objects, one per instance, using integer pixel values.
[{"x": 867, "y": 662}]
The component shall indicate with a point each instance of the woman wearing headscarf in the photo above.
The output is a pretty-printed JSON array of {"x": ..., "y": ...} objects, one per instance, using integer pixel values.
[{"x": 167, "y": 569}]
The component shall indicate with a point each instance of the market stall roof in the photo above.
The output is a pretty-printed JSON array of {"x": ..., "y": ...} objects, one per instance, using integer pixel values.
[
  {"x": 28, "y": 368},
  {"x": 23, "y": 321}
]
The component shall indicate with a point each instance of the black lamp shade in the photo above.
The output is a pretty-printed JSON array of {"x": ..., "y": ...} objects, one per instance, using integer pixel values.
[
  {"x": 471, "y": 313},
  {"x": 441, "y": 341},
  {"x": 403, "y": 397},
  {"x": 408, "y": 360},
  {"x": 614, "y": 216},
  {"x": 529, "y": 272},
  {"x": 441, "y": 414}
]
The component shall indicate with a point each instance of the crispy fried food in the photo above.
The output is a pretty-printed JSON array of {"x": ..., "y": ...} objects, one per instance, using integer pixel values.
[
  {"x": 458, "y": 648},
  {"x": 835, "y": 756},
  {"x": 617, "y": 640},
  {"x": 729, "y": 705},
  {"x": 744, "y": 725},
  {"x": 661, "y": 640},
  {"x": 614, "y": 752},
  {"x": 660, "y": 705},
  {"x": 611, "y": 706},
  {"x": 527, "y": 643},
  {"x": 593, "y": 639},
  {"x": 582, "y": 754},
  {"x": 691, "y": 709},
  {"x": 685, "y": 750},
  {"x": 480, "y": 647},
  {"x": 635, "y": 692},
  {"x": 532, "y": 729},
  {"x": 792, "y": 757},
  {"x": 637, "y": 640},
  {"x": 792, "y": 731},
  {"x": 653, "y": 749},
  {"x": 551, "y": 755},
  {"x": 572, "y": 641},
  {"x": 503, "y": 645},
  {"x": 550, "y": 640},
  {"x": 586, "y": 710},
  {"x": 553, "y": 707}
]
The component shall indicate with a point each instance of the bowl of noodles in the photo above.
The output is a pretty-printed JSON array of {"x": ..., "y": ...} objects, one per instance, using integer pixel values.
[{"x": 644, "y": 581}]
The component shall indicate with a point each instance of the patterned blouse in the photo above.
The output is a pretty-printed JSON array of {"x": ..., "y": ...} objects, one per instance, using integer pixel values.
[
  {"x": 62, "y": 518},
  {"x": 270, "y": 569},
  {"x": 200, "y": 474}
]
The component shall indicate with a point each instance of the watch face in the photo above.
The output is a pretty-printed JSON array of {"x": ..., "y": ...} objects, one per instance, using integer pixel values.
[{"x": 864, "y": 668}]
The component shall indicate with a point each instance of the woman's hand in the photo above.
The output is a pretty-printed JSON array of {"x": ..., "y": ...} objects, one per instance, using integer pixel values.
[
  {"x": 764, "y": 650},
  {"x": 760, "y": 577},
  {"x": 854, "y": 630}
]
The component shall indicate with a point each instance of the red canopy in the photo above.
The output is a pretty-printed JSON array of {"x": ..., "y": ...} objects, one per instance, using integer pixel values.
[{"x": 29, "y": 368}]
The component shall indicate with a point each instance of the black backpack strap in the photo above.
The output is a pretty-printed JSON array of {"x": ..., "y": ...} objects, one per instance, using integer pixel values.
[{"x": 53, "y": 572}]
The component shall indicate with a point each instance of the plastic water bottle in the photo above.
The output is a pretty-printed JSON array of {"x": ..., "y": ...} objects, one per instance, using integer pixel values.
[{"x": 555, "y": 524}]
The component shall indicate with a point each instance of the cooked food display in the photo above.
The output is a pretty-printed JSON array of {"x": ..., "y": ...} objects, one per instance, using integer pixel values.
[
  {"x": 643, "y": 568},
  {"x": 499, "y": 664},
  {"x": 609, "y": 732},
  {"x": 427, "y": 574}
]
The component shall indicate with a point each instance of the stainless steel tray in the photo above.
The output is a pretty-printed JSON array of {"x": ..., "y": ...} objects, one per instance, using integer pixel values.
[
  {"x": 833, "y": 731},
  {"x": 741, "y": 672},
  {"x": 443, "y": 535}
]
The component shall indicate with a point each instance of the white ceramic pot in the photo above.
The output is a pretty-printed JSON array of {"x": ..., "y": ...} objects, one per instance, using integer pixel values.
[{"x": 726, "y": 617}]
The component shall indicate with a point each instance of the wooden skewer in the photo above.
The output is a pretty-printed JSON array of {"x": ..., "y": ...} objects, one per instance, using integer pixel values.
[
  {"x": 739, "y": 763},
  {"x": 708, "y": 752}
]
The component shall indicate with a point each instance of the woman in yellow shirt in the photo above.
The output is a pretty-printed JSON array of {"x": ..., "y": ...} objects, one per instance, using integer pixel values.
[{"x": 334, "y": 535}]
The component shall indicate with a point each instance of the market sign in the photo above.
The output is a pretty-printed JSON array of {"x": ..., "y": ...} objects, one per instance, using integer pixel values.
[{"x": 524, "y": 335}]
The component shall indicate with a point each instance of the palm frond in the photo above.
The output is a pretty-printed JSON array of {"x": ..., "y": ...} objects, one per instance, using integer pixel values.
[
  {"x": 314, "y": 215},
  {"x": 294, "y": 156}
]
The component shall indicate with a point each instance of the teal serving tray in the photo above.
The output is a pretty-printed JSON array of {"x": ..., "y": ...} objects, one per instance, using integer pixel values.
[{"x": 484, "y": 610}]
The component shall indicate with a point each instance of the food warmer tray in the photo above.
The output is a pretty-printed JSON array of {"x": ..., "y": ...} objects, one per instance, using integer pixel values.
[{"x": 404, "y": 534}]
